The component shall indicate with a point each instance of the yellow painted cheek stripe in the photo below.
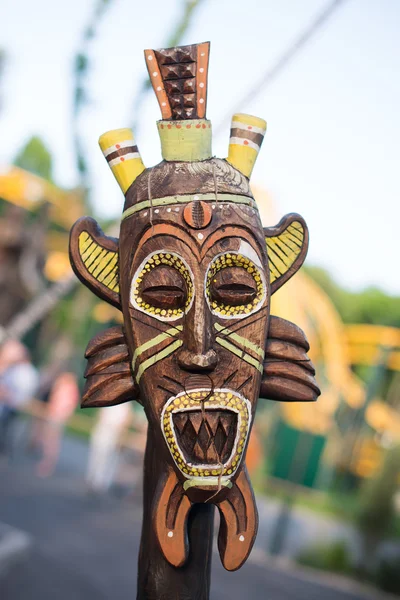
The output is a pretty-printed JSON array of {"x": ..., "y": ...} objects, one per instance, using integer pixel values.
[
  {"x": 156, "y": 357},
  {"x": 154, "y": 341},
  {"x": 246, "y": 357},
  {"x": 241, "y": 340}
]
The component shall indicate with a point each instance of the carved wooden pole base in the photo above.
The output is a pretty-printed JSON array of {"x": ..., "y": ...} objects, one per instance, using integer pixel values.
[{"x": 157, "y": 579}]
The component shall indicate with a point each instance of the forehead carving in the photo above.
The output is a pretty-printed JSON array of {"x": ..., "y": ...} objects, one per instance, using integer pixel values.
[
  {"x": 224, "y": 221},
  {"x": 165, "y": 180}
]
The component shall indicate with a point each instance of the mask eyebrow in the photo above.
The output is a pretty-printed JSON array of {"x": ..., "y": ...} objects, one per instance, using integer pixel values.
[
  {"x": 239, "y": 233},
  {"x": 171, "y": 230}
]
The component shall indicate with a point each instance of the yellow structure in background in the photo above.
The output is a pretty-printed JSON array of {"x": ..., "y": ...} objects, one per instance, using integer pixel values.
[
  {"x": 303, "y": 302},
  {"x": 365, "y": 343},
  {"x": 29, "y": 191},
  {"x": 24, "y": 189},
  {"x": 335, "y": 349}
]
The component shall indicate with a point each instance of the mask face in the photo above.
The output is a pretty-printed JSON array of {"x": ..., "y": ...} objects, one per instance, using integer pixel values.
[
  {"x": 197, "y": 304},
  {"x": 192, "y": 272}
]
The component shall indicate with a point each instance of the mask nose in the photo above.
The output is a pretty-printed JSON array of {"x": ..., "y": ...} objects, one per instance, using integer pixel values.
[
  {"x": 197, "y": 353},
  {"x": 194, "y": 361}
]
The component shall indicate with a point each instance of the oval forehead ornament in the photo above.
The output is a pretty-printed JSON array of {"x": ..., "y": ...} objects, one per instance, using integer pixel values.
[{"x": 197, "y": 214}]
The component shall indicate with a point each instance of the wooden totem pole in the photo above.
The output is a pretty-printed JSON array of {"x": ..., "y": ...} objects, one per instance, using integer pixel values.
[{"x": 192, "y": 272}]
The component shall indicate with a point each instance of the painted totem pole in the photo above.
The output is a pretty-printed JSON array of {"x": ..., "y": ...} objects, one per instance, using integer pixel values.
[{"x": 192, "y": 272}]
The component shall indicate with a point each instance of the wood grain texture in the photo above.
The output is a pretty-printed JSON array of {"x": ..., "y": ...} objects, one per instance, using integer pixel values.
[
  {"x": 108, "y": 373},
  {"x": 214, "y": 176},
  {"x": 105, "y": 339},
  {"x": 158, "y": 579},
  {"x": 281, "y": 329},
  {"x": 288, "y": 373},
  {"x": 239, "y": 524},
  {"x": 170, "y": 519},
  {"x": 204, "y": 437},
  {"x": 179, "y": 79}
]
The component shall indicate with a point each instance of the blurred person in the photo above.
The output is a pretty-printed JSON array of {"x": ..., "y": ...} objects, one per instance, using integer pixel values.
[
  {"x": 63, "y": 399},
  {"x": 18, "y": 384},
  {"x": 38, "y": 422},
  {"x": 105, "y": 443}
]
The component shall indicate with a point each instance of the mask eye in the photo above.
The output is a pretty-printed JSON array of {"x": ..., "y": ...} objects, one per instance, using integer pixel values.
[
  {"x": 164, "y": 288},
  {"x": 233, "y": 286}
]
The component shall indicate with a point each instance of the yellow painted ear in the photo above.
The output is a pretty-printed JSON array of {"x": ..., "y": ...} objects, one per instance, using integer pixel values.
[
  {"x": 287, "y": 246},
  {"x": 94, "y": 259}
]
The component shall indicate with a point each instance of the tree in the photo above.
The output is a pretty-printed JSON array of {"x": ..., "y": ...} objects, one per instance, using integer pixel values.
[
  {"x": 368, "y": 306},
  {"x": 376, "y": 510},
  {"x": 36, "y": 158}
]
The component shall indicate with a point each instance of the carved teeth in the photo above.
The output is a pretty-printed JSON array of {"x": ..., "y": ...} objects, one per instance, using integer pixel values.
[{"x": 206, "y": 435}]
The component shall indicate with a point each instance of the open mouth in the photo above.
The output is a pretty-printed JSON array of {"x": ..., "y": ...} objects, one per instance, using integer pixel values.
[
  {"x": 205, "y": 437},
  {"x": 206, "y": 434}
]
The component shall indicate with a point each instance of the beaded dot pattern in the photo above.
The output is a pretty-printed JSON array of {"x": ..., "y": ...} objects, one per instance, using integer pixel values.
[
  {"x": 151, "y": 262},
  {"x": 231, "y": 259},
  {"x": 220, "y": 399}
]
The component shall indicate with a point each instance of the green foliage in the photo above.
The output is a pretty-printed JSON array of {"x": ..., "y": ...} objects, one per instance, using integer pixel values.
[
  {"x": 376, "y": 510},
  {"x": 368, "y": 306},
  {"x": 36, "y": 158},
  {"x": 189, "y": 6},
  {"x": 333, "y": 557},
  {"x": 81, "y": 70}
]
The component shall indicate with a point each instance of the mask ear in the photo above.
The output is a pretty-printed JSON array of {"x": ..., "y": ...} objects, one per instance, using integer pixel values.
[
  {"x": 94, "y": 259},
  {"x": 287, "y": 245}
]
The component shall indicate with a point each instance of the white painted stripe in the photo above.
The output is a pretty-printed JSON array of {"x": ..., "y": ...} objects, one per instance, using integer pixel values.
[
  {"x": 122, "y": 144},
  {"x": 241, "y": 142},
  {"x": 253, "y": 128},
  {"x": 130, "y": 156}
]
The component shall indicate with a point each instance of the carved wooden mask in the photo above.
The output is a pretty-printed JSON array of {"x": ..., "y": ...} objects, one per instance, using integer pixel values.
[{"x": 193, "y": 272}]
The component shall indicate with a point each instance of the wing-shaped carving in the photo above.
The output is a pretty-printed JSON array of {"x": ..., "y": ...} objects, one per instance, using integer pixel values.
[
  {"x": 94, "y": 258},
  {"x": 288, "y": 373},
  {"x": 287, "y": 246},
  {"x": 108, "y": 373}
]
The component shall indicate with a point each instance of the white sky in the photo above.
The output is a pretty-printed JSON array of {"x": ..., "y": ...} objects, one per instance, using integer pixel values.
[{"x": 331, "y": 152}]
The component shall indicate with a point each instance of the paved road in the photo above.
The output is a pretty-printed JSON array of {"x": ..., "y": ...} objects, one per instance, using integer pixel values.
[{"x": 86, "y": 549}]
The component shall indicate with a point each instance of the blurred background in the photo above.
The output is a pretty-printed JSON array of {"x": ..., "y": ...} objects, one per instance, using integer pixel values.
[{"x": 324, "y": 74}]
